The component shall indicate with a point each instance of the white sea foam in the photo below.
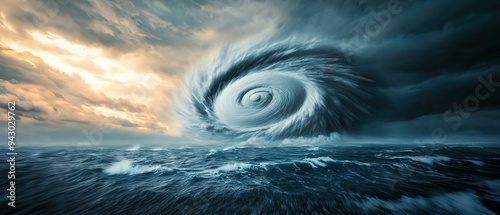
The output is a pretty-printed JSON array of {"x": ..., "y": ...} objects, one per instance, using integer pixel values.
[
  {"x": 312, "y": 142},
  {"x": 229, "y": 148},
  {"x": 127, "y": 167},
  {"x": 313, "y": 148},
  {"x": 426, "y": 159},
  {"x": 235, "y": 167},
  {"x": 479, "y": 163},
  {"x": 242, "y": 167},
  {"x": 232, "y": 167},
  {"x": 320, "y": 161},
  {"x": 211, "y": 152},
  {"x": 321, "y": 139},
  {"x": 257, "y": 141},
  {"x": 134, "y": 148}
]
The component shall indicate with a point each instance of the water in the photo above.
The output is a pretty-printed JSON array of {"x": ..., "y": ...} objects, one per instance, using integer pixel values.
[{"x": 258, "y": 180}]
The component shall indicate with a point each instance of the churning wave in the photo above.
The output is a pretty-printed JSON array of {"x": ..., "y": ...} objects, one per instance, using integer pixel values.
[
  {"x": 276, "y": 90},
  {"x": 127, "y": 167},
  {"x": 211, "y": 179}
]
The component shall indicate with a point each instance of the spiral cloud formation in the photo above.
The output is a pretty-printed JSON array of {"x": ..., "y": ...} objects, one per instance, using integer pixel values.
[{"x": 277, "y": 90}]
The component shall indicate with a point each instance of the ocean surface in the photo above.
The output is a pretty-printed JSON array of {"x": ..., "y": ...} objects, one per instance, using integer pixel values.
[{"x": 363, "y": 179}]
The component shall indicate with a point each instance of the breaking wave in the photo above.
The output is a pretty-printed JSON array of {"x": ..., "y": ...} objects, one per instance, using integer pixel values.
[
  {"x": 426, "y": 159},
  {"x": 277, "y": 90},
  {"x": 126, "y": 167}
]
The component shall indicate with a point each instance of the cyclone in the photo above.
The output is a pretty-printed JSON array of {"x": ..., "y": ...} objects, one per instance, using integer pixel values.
[{"x": 276, "y": 90}]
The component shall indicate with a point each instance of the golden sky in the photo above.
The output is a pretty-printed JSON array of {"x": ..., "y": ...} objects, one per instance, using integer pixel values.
[{"x": 79, "y": 64}]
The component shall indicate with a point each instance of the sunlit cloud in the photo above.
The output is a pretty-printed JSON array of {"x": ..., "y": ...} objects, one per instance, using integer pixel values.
[{"x": 114, "y": 63}]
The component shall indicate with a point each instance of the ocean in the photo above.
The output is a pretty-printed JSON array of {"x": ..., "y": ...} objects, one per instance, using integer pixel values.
[{"x": 308, "y": 179}]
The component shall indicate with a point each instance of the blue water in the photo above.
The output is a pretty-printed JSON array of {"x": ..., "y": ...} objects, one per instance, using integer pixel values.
[{"x": 257, "y": 180}]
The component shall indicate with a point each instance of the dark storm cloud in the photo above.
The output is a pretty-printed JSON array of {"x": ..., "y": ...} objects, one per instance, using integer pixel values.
[
  {"x": 434, "y": 61},
  {"x": 328, "y": 19},
  {"x": 425, "y": 58}
]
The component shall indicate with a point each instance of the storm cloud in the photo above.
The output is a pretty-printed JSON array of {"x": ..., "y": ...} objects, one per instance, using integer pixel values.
[{"x": 78, "y": 64}]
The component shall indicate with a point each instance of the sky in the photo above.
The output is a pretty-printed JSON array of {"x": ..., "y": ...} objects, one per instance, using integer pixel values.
[{"x": 110, "y": 71}]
